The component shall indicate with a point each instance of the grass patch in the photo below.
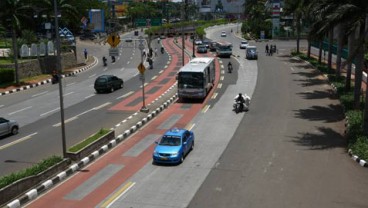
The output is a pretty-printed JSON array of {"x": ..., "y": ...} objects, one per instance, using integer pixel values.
[
  {"x": 34, "y": 170},
  {"x": 88, "y": 141}
]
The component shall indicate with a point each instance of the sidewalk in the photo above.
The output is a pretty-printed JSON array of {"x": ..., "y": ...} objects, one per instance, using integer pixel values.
[{"x": 92, "y": 61}]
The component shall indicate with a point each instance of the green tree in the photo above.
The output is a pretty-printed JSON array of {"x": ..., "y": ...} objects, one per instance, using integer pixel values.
[{"x": 15, "y": 13}]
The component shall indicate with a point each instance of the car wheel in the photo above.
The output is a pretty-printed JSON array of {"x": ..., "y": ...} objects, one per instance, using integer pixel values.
[
  {"x": 14, "y": 130},
  {"x": 192, "y": 147},
  {"x": 112, "y": 89},
  {"x": 121, "y": 85},
  {"x": 182, "y": 158}
]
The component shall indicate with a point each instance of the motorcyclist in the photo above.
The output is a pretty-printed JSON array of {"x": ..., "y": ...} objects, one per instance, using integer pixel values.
[
  {"x": 162, "y": 50},
  {"x": 243, "y": 100},
  {"x": 113, "y": 59},
  {"x": 229, "y": 67}
]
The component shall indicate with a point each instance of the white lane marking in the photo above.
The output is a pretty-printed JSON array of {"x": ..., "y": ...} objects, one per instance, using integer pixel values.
[
  {"x": 101, "y": 106},
  {"x": 89, "y": 96},
  {"x": 70, "y": 84},
  {"x": 17, "y": 141},
  {"x": 69, "y": 93},
  {"x": 56, "y": 109},
  {"x": 154, "y": 77},
  {"x": 93, "y": 75},
  {"x": 161, "y": 71},
  {"x": 128, "y": 62},
  {"x": 125, "y": 95},
  {"x": 219, "y": 85},
  {"x": 292, "y": 69},
  {"x": 105, "y": 69},
  {"x": 23, "y": 109},
  {"x": 222, "y": 78},
  {"x": 122, "y": 69},
  {"x": 77, "y": 116},
  {"x": 41, "y": 93}
]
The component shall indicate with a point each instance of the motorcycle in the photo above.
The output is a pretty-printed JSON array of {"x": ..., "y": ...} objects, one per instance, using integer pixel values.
[
  {"x": 113, "y": 59},
  {"x": 55, "y": 79},
  {"x": 238, "y": 106},
  {"x": 162, "y": 50}
]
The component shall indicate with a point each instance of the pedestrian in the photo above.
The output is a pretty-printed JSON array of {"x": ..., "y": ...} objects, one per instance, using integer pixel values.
[
  {"x": 267, "y": 48},
  {"x": 144, "y": 53},
  {"x": 274, "y": 48},
  {"x": 85, "y": 54},
  {"x": 158, "y": 40},
  {"x": 155, "y": 52}
]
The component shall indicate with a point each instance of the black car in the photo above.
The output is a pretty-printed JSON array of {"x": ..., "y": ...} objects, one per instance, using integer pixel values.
[
  {"x": 201, "y": 49},
  {"x": 212, "y": 46},
  {"x": 108, "y": 83},
  {"x": 251, "y": 52}
]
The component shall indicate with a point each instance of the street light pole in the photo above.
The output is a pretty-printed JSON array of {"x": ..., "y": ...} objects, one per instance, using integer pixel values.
[
  {"x": 58, "y": 68},
  {"x": 141, "y": 70},
  {"x": 193, "y": 42}
]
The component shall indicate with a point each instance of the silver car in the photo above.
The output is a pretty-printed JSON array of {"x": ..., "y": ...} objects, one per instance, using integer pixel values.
[{"x": 8, "y": 127}]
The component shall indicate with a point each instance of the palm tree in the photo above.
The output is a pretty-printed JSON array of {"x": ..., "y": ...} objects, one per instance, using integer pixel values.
[{"x": 16, "y": 11}]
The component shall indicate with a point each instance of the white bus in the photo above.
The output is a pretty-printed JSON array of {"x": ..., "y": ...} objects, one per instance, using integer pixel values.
[
  {"x": 196, "y": 78},
  {"x": 224, "y": 49}
]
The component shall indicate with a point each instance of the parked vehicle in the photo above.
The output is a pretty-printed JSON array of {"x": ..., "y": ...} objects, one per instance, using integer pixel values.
[
  {"x": 251, "y": 52},
  {"x": 108, "y": 83},
  {"x": 173, "y": 146},
  {"x": 223, "y": 34},
  {"x": 201, "y": 49},
  {"x": 212, "y": 46},
  {"x": 8, "y": 127}
]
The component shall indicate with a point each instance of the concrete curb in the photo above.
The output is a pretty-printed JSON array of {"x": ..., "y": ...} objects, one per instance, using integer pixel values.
[
  {"x": 34, "y": 193},
  {"x": 49, "y": 80},
  {"x": 361, "y": 162}
]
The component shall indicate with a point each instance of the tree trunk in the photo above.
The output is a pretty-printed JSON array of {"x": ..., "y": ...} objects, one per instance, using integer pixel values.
[
  {"x": 349, "y": 65},
  {"x": 298, "y": 35},
  {"x": 330, "y": 44},
  {"x": 340, "y": 43},
  {"x": 320, "y": 52},
  {"x": 358, "y": 76},
  {"x": 309, "y": 48},
  {"x": 15, "y": 51}
]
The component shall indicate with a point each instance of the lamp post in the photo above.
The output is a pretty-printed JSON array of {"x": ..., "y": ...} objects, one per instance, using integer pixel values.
[
  {"x": 58, "y": 68},
  {"x": 193, "y": 41},
  {"x": 141, "y": 69}
]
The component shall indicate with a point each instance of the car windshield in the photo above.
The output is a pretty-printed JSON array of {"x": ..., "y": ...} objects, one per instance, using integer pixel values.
[
  {"x": 167, "y": 140},
  {"x": 251, "y": 50},
  {"x": 244, "y": 42}
]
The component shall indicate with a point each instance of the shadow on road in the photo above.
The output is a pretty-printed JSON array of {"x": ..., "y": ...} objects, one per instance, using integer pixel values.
[
  {"x": 317, "y": 95},
  {"x": 330, "y": 113},
  {"x": 326, "y": 139}
]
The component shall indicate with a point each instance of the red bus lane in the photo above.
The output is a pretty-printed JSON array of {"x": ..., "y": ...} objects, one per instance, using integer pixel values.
[{"x": 96, "y": 183}]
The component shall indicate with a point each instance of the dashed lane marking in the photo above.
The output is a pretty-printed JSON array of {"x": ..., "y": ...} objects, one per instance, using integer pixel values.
[{"x": 17, "y": 141}]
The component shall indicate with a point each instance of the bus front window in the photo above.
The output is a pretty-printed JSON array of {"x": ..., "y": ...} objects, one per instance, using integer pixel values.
[{"x": 190, "y": 80}]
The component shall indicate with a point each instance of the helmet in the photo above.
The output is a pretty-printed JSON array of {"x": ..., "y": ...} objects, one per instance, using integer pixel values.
[{"x": 240, "y": 94}]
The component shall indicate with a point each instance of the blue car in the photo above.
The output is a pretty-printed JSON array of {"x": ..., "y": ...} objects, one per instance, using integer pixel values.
[{"x": 173, "y": 146}]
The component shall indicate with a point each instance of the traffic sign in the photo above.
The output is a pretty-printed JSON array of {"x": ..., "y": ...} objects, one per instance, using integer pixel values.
[
  {"x": 113, "y": 40},
  {"x": 113, "y": 52},
  {"x": 141, "y": 68}
]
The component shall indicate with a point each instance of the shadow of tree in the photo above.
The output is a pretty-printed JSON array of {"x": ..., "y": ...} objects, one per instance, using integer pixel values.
[
  {"x": 311, "y": 82},
  {"x": 331, "y": 113},
  {"x": 327, "y": 139},
  {"x": 306, "y": 74},
  {"x": 317, "y": 95},
  {"x": 295, "y": 60}
]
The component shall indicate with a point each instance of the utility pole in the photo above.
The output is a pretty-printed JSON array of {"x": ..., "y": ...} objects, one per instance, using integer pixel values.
[{"x": 58, "y": 68}]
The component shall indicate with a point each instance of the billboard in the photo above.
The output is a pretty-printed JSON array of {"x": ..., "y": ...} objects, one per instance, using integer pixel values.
[{"x": 97, "y": 20}]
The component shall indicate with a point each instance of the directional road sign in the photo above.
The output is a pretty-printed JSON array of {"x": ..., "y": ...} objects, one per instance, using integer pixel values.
[
  {"x": 141, "y": 68},
  {"x": 113, "y": 40}
]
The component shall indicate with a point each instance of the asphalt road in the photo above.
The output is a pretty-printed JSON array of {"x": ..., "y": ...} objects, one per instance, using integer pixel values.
[
  {"x": 37, "y": 109},
  {"x": 288, "y": 151}
]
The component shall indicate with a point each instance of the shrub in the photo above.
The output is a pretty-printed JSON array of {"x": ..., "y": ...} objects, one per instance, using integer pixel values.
[
  {"x": 88, "y": 141},
  {"x": 360, "y": 147},
  {"x": 6, "y": 76},
  {"x": 34, "y": 170}
]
